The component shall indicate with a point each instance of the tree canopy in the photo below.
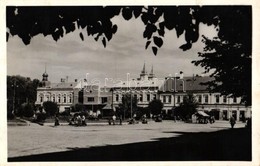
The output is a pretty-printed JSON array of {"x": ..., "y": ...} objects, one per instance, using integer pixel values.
[
  {"x": 228, "y": 55},
  {"x": 156, "y": 107}
]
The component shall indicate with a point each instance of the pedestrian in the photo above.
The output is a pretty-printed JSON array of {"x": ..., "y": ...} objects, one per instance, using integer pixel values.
[
  {"x": 56, "y": 123},
  {"x": 232, "y": 121},
  {"x": 114, "y": 119},
  {"x": 84, "y": 121}
]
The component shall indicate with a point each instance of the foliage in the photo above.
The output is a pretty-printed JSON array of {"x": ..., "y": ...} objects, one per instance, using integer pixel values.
[
  {"x": 23, "y": 88},
  {"x": 229, "y": 55},
  {"x": 187, "y": 107},
  {"x": 26, "y": 110},
  {"x": 155, "y": 106},
  {"x": 50, "y": 107},
  {"x": 127, "y": 103},
  {"x": 77, "y": 107}
]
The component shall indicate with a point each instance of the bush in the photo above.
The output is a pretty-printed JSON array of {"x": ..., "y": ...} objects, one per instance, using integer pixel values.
[
  {"x": 26, "y": 110},
  {"x": 50, "y": 107}
]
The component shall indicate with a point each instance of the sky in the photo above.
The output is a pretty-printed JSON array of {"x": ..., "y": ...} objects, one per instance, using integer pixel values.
[{"x": 124, "y": 53}]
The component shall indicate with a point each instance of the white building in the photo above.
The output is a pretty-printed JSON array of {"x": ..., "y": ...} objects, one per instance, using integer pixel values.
[{"x": 222, "y": 107}]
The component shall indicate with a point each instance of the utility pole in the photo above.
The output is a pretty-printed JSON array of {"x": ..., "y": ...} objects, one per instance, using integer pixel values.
[{"x": 14, "y": 86}]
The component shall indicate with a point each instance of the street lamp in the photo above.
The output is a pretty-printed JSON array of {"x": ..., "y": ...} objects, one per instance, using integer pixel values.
[{"x": 14, "y": 86}]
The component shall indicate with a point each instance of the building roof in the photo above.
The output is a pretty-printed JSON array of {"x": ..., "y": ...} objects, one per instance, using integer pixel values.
[
  {"x": 139, "y": 83},
  {"x": 190, "y": 84},
  {"x": 63, "y": 85}
]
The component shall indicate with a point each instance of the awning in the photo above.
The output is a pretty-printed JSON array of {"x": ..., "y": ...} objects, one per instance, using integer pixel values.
[
  {"x": 202, "y": 113},
  {"x": 108, "y": 107}
]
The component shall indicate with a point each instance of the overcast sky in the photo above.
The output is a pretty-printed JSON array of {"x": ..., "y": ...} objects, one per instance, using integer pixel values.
[{"x": 125, "y": 53}]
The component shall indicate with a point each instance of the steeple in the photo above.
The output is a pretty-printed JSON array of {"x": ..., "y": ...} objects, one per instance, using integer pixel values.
[
  {"x": 151, "y": 74},
  {"x": 45, "y": 82},
  {"x": 143, "y": 71},
  {"x": 143, "y": 75},
  {"x": 45, "y": 75}
]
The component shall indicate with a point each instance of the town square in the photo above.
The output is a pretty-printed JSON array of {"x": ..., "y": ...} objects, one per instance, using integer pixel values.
[{"x": 116, "y": 83}]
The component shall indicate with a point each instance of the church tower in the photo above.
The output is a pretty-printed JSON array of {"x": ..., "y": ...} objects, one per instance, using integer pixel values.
[
  {"x": 143, "y": 75},
  {"x": 45, "y": 82},
  {"x": 151, "y": 74}
]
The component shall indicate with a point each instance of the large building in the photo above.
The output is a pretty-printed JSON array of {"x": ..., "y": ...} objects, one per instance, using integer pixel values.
[
  {"x": 145, "y": 88},
  {"x": 170, "y": 90},
  {"x": 222, "y": 107}
]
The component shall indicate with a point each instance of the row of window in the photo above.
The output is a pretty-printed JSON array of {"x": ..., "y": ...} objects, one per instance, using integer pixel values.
[
  {"x": 217, "y": 99},
  {"x": 92, "y": 99},
  {"x": 59, "y": 99},
  {"x": 199, "y": 97},
  {"x": 139, "y": 97}
]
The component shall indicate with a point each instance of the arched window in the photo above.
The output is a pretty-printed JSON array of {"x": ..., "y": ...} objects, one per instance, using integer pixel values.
[
  {"x": 70, "y": 98},
  {"x": 53, "y": 98},
  {"x": 41, "y": 98},
  {"x": 64, "y": 99},
  {"x": 59, "y": 99}
]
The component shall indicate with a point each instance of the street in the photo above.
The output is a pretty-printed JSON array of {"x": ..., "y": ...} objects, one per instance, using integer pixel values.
[{"x": 154, "y": 141}]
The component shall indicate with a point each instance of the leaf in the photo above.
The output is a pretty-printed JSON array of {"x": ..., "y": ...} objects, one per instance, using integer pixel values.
[
  {"x": 186, "y": 46},
  {"x": 127, "y": 13},
  {"x": 104, "y": 41},
  {"x": 137, "y": 11},
  {"x": 114, "y": 29},
  {"x": 154, "y": 50},
  {"x": 149, "y": 30},
  {"x": 81, "y": 36},
  {"x": 158, "y": 41},
  {"x": 147, "y": 44},
  {"x": 108, "y": 34}
]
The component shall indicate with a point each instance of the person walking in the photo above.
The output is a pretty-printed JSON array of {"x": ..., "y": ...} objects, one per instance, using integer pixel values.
[
  {"x": 114, "y": 119},
  {"x": 56, "y": 121},
  {"x": 232, "y": 121}
]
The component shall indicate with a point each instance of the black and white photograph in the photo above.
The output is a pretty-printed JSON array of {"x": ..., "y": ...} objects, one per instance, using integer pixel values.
[{"x": 129, "y": 83}]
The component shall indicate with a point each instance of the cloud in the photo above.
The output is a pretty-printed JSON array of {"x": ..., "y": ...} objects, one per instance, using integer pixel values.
[{"x": 125, "y": 53}]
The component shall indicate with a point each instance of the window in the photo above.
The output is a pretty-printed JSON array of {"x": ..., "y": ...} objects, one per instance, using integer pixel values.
[
  {"x": 103, "y": 99},
  {"x": 48, "y": 98},
  {"x": 148, "y": 97},
  {"x": 200, "y": 99},
  {"x": 217, "y": 98},
  {"x": 41, "y": 98},
  {"x": 206, "y": 98},
  {"x": 164, "y": 99},
  {"x": 234, "y": 100},
  {"x": 178, "y": 99},
  {"x": 90, "y": 99},
  {"x": 53, "y": 98},
  {"x": 59, "y": 99},
  {"x": 224, "y": 99},
  {"x": 117, "y": 97},
  {"x": 154, "y": 96},
  {"x": 64, "y": 99},
  {"x": 141, "y": 98},
  {"x": 170, "y": 99},
  {"x": 70, "y": 99}
]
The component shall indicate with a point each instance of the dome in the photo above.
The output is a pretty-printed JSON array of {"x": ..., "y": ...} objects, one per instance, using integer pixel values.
[{"x": 45, "y": 74}]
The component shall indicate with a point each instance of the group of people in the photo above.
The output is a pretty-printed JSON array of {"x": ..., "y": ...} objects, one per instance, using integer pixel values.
[{"x": 79, "y": 120}]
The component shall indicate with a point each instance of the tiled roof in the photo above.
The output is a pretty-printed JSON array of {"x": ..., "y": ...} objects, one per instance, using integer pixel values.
[
  {"x": 63, "y": 85},
  {"x": 190, "y": 84}
]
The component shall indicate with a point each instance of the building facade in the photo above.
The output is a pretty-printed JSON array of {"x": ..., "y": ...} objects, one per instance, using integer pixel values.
[
  {"x": 170, "y": 90},
  {"x": 222, "y": 107}
]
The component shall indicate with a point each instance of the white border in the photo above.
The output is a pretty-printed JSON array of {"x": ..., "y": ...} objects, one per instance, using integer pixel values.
[{"x": 255, "y": 78}]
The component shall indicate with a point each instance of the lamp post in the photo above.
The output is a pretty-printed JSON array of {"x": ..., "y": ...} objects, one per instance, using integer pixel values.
[{"x": 14, "y": 86}]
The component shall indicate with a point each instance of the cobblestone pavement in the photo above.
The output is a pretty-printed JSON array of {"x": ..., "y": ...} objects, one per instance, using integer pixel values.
[{"x": 36, "y": 139}]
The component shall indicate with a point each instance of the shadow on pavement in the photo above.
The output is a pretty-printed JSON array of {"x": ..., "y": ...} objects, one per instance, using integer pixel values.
[{"x": 224, "y": 145}]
